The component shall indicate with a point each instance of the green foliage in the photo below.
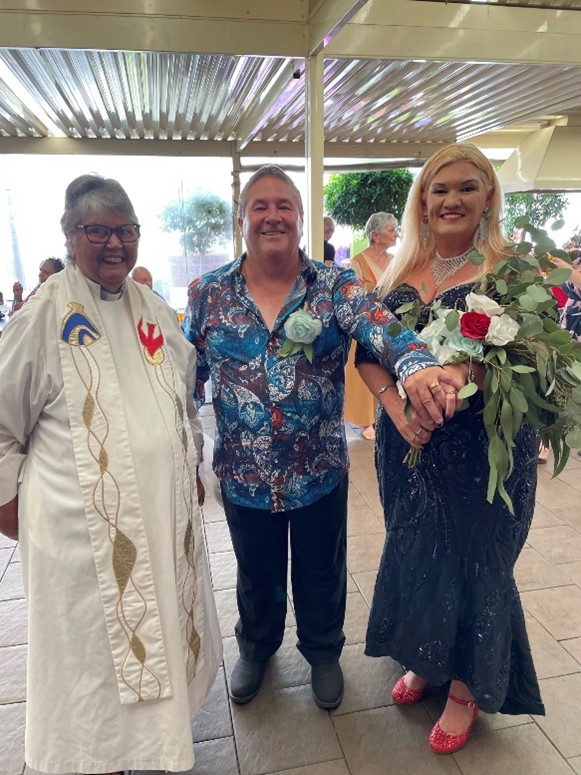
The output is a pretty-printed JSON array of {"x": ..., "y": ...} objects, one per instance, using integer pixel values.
[
  {"x": 351, "y": 197},
  {"x": 203, "y": 220},
  {"x": 538, "y": 208}
]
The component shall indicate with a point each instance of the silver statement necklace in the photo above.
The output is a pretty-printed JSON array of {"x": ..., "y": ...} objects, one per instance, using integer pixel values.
[{"x": 442, "y": 268}]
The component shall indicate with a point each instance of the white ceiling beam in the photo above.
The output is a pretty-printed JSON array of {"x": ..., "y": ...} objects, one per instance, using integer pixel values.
[
  {"x": 187, "y": 148},
  {"x": 252, "y": 27},
  {"x": 412, "y": 29},
  {"x": 113, "y": 147},
  {"x": 328, "y": 19}
]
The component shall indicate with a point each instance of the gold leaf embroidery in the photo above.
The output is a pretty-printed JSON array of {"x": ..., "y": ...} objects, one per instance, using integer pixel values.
[
  {"x": 188, "y": 538},
  {"x": 124, "y": 555},
  {"x": 138, "y": 648},
  {"x": 195, "y": 643},
  {"x": 88, "y": 410},
  {"x": 179, "y": 407},
  {"x": 103, "y": 460}
]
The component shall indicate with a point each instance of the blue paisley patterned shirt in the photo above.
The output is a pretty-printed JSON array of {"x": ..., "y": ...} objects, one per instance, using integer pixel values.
[{"x": 280, "y": 442}]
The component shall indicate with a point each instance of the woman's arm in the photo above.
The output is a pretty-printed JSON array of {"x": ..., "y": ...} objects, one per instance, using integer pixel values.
[
  {"x": 382, "y": 384},
  {"x": 9, "y": 519}
]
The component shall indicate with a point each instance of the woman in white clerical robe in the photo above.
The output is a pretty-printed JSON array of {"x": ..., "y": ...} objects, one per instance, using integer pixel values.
[{"x": 99, "y": 445}]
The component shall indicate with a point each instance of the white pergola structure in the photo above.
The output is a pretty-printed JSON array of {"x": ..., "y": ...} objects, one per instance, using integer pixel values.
[{"x": 383, "y": 82}]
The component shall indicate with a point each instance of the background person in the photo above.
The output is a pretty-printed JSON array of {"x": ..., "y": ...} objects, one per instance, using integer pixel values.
[
  {"x": 272, "y": 329},
  {"x": 47, "y": 268},
  {"x": 143, "y": 276},
  {"x": 445, "y": 603},
  {"x": 98, "y": 455},
  {"x": 369, "y": 265},
  {"x": 571, "y": 311},
  {"x": 328, "y": 231}
]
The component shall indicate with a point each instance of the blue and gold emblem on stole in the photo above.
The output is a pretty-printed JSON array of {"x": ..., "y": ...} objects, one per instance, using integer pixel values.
[{"x": 77, "y": 329}]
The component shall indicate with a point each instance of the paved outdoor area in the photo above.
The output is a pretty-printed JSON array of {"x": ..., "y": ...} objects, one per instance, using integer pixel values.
[{"x": 283, "y": 731}]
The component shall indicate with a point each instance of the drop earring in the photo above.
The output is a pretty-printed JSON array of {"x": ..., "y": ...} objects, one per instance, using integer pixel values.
[
  {"x": 425, "y": 230},
  {"x": 482, "y": 230}
]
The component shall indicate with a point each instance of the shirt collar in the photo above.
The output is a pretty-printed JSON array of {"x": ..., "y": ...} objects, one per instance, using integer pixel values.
[
  {"x": 108, "y": 296},
  {"x": 309, "y": 270}
]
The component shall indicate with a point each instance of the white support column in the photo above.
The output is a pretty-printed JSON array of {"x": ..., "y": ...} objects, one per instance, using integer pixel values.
[
  {"x": 314, "y": 155},
  {"x": 236, "y": 235}
]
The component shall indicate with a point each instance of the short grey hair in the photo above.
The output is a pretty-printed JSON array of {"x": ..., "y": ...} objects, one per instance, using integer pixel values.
[
  {"x": 269, "y": 171},
  {"x": 95, "y": 195},
  {"x": 379, "y": 222},
  {"x": 328, "y": 223}
]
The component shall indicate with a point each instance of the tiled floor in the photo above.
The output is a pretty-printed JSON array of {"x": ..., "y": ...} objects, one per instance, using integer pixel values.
[{"x": 283, "y": 731}]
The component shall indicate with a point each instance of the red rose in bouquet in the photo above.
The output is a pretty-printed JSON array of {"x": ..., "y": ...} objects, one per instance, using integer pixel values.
[{"x": 474, "y": 325}]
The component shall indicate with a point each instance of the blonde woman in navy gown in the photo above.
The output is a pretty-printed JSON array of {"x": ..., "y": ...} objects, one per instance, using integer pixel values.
[{"x": 445, "y": 604}]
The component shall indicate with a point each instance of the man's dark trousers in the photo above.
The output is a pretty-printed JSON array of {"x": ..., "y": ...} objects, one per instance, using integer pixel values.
[{"x": 318, "y": 540}]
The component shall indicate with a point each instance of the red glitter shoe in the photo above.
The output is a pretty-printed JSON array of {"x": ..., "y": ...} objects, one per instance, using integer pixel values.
[
  {"x": 403, "y": 695},
  {"x": 443, "y": 742}
]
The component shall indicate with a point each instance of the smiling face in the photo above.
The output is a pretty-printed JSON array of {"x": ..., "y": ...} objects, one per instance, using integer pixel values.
[
  {"x": 455, "y": 201},
  {"x": 386, "y": 238},
  {"x": 271, "y": 223},
  {"x": 107, "y": 264}
]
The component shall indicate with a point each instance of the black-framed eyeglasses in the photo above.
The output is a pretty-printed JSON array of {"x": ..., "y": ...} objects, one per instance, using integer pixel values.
[{"x": 95, "y": 232}]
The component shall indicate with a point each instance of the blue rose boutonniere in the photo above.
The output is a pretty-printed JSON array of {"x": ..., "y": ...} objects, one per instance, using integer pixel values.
[{"x": 301, "y": 330}]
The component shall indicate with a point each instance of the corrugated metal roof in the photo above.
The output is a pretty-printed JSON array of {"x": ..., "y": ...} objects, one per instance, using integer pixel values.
[{"x": 133, "y": 95}]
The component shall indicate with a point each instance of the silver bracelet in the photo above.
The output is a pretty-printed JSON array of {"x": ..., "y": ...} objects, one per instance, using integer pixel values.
[{"x": 383, "y": 388}]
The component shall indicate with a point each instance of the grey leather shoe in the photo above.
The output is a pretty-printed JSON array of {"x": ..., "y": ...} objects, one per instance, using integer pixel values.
[
  {"x": 327, "y": 684},
  {"x": 246, "y": 680}
]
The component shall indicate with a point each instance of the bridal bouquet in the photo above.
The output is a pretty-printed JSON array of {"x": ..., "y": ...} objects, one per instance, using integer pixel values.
[{"x": 532, "y": 365}]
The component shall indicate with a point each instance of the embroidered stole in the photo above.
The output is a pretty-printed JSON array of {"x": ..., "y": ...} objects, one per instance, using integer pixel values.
[{"x": 109, "y": 483}]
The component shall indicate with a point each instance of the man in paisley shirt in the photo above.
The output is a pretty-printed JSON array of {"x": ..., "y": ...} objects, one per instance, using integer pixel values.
[{"x": 280, "y": 450}]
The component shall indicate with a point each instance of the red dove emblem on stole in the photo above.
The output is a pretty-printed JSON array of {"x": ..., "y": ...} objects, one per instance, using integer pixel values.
[{"x": 151, "y": 344}]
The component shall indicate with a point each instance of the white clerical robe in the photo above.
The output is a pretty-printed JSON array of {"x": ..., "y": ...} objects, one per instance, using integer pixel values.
[{"x": 124, "y": 642}]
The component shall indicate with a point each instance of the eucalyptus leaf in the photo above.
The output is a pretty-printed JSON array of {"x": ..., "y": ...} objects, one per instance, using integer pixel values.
[
  {"x": 468, "y": 390},
  {"x": 531, "y": 327},
  {"x": 405, "y": 307},
  {"x": 394, "y": 329},
  {"x": 501, "y": 355},
  {"x": 518, "y": 400},
  {"x": 573, "y": 439},
  {"x": 476, "y": 258},
  {"x": 559, "y": 276},
  {"x": 528, "y": 303},
  {"x": 538, "y": 293},
  {"x": 452, "y": 319},
  {"x": 560, "y": 337},
  {"x": 506, "y": 422},
  {"x": 522, "y": 369}
]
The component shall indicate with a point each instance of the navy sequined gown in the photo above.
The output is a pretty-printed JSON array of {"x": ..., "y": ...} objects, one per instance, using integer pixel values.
[{"x": 445, "y": 604}]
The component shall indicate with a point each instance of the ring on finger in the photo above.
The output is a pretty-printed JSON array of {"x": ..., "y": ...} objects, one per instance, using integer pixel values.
[
  {"x": 434, "y": 385},
  {"x": 450, "y": 393}
]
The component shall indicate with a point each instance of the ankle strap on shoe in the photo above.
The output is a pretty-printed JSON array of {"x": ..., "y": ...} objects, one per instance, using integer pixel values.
[{"x": 460, "y": 701}]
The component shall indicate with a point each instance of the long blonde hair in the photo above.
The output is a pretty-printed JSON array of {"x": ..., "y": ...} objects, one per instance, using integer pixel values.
[{"x": 413, "y": 254}]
